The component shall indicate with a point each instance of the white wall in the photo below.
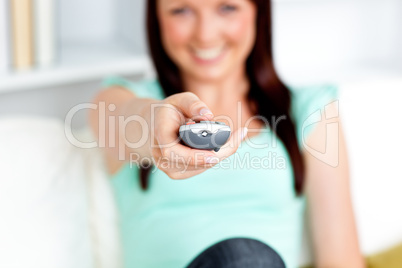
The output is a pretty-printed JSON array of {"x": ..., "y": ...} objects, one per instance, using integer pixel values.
[
  {"x": 131, "y": 13},
  {"x": 89, "y": 19},
  {"x": 319, "y": 40},
  {"x": 99, "y": 20},
  {"x": 399, "y": 42}
]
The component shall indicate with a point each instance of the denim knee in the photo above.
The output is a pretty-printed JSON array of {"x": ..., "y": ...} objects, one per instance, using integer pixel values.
[{"x": 236, "y": 253}]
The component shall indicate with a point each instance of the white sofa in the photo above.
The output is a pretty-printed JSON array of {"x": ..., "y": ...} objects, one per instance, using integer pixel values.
[{"x": 57, "y": 208}]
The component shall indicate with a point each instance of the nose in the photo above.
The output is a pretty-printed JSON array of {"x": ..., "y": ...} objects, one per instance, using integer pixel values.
[{"x": 207, "y": 28}]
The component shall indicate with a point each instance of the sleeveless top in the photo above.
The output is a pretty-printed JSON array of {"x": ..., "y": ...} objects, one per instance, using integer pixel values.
[{"x": 249, "y": 194}]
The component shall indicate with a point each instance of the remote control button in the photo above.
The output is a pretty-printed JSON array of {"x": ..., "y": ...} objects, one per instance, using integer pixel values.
[
  {"x": 219, "y": 123},
  {"x": 190, "y": 123},
  {"x": 204, "y": 133}
]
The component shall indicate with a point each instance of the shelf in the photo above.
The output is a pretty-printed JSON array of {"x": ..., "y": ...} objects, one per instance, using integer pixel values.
[{"x": 79, "y": 62}]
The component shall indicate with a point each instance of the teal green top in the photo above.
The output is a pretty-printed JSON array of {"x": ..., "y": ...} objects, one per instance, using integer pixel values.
[{"x": 249, "y": 194}]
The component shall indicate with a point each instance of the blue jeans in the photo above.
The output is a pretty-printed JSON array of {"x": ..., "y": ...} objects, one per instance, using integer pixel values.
[{"x": 238, "y": 253}]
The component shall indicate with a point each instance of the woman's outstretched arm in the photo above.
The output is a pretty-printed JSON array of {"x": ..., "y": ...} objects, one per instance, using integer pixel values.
[
  {"x": 125, "y": 103},
  {"x": 330, "y": 211},
  {"x": 155, "y": 129}
]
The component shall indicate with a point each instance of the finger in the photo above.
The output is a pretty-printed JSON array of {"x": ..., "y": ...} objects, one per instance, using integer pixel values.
[
  {"x": 191, "y": 106},
  {"x": 179, "y": 175},
  {"x": 184, "y": 168},
  {"x": 167, "y": 133},
  {"x": 179, "y": 153},
  {"x": 177, "y": 170}
]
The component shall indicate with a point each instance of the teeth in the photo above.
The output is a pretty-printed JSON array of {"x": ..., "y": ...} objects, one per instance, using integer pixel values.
[{"x": 208, "y": 54}]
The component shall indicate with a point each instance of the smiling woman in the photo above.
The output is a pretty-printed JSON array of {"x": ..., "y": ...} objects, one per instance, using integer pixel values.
[
  {"x": 211, "y": 56},
  {"x": 242, "y": 70}
]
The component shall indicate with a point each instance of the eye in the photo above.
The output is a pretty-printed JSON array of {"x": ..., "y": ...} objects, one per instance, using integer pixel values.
[
  {"x": 227, "y": 8},
  {"x": 180, "y": 11}
]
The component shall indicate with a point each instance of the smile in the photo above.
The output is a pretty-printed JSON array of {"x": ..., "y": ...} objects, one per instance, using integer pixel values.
[{"x": 208, "y": 55}]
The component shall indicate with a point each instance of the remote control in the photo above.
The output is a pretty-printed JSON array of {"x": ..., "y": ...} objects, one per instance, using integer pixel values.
[{"x": 206, "y": 135}]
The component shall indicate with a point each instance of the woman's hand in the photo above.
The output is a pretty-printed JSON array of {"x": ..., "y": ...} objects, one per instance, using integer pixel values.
[{"x": 176, "y": 160}]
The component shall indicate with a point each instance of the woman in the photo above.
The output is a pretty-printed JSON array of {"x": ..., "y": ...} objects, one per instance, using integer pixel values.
[{"x": 214, "y": 62}]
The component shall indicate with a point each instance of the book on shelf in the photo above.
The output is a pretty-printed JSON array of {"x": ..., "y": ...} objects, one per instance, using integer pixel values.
[
  {"x": 22, "y": 34},
  {"x": 4, "y": 37},
  {"x": 44, "y": 34}
]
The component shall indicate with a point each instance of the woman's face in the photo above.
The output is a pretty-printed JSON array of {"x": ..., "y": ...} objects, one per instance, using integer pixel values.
[{"x": 207, "y": 39}]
